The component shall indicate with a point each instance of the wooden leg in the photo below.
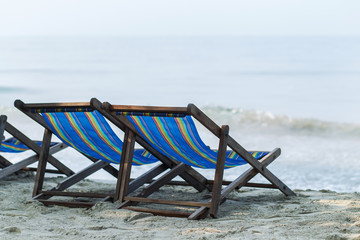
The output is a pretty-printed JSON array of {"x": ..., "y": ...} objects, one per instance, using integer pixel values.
[
  {"x": 2, "y": 126},
  {"x": 44, "y": 154},
  {"x": 125, "y": 166},
  {"x": 3, "y": 161},
  {"x": 219, "y": 172}
]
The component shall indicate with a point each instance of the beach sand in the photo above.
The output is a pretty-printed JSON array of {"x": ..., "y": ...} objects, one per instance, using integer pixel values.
[{"x": 247, "y": 214}]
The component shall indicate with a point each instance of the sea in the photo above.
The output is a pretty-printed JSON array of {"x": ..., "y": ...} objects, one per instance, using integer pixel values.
[{"x": 299, "y": 93}]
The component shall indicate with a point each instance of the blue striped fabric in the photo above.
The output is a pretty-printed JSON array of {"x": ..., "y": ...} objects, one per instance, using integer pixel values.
[
  {"x": 178, "y": 139},
  {"x": 89, "y": 133},
  {"x": 13, "y": 145}
]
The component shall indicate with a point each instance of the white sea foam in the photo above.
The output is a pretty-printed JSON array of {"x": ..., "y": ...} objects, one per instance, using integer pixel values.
[{"x": 267, "y": 121}]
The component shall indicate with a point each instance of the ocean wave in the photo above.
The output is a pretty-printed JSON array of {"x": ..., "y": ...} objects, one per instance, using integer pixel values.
[
  {"x": 238, "y": 118},
  {"x": 253, "y": 120}
]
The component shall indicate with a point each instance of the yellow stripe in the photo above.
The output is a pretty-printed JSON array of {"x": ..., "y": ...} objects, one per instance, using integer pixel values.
[
  {"x": 171, "y": 143},
  {"x": 84, "y": 137},
  {"x": 190, "y": 142}
]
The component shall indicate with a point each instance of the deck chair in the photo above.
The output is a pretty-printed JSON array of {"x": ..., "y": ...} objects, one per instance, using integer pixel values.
[
  {"x": 20, "y": 143},
  {"x": 171, "y": 132},
  {"x": 83, "y": 128}
]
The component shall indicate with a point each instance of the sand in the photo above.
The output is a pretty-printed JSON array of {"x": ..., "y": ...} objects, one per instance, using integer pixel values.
[{"x": 247, "y": 214}]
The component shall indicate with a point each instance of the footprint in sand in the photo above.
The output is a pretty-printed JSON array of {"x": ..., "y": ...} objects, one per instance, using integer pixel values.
[{"x": 14, "y": 230}]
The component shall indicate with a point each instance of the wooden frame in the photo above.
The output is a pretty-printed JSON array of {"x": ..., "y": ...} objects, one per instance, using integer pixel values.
[
  {"x": 8, "y": 168},
  {"x": 44, "y": 195},
  {"x": 125, "y": 187},
  {"x": 219, "y": 194},
  {"x": 191, "y": 176}
]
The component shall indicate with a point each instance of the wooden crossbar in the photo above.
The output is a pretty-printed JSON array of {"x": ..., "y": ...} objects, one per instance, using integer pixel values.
[
  {"x": 31, "y": 169},
  {"x": 218, "y": 194},
  {"x": 30, "y": 160},
  {"x": 166, "y": 213},
  {"x": 146, "y": 109},
  {"x": 9, "y": 168},
  {"x": 76, "y": 194},
  {"x": 108, "y": 168},
  {"x": 75, "y": 178},
  {"x": 161, "y": 181},
  {"x": 146, "y": 177},
  {"x": 37, "y": 149},
  {"x": 51, "y": 105},
  {"x": 168, "y": 202},
  {"x": 67, "y": 204},
  {"x": 224, "y": 183}
]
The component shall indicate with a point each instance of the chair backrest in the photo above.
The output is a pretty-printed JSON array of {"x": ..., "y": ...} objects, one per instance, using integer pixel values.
[
  {"x": 176, "y": 137},
  {"x": 89, "y": 133},
  {"x": 12, "y": 144}
]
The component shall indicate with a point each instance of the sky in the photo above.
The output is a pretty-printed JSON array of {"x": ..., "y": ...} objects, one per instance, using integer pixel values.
[{"x": 179, "y": 17}]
